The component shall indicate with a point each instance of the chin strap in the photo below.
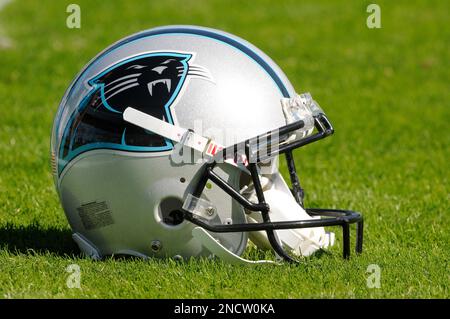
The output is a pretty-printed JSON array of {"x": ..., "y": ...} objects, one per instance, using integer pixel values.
[
  {"x": 182, "y": 136},
  {"x": 217, "y": 249},
  {"x": 172, "y": 132}
]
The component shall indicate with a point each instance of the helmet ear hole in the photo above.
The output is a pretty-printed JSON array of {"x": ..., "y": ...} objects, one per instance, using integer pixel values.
[
  {"x": 170, "y": 211},
  {"x": 176, "y": 217}
]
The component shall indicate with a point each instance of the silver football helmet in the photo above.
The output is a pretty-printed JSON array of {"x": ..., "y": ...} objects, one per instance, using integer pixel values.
[{"x": 166, "y": 145}]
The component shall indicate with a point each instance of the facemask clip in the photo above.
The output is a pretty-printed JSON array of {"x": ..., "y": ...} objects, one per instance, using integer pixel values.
[{"x": 200, "y": 207}]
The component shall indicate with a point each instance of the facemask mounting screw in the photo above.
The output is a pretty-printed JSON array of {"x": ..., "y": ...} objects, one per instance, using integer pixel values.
[
  {"x": 156, "y": 246},
  {"x": 177, "y": 258},
  {"x": 210, "y": 211}
]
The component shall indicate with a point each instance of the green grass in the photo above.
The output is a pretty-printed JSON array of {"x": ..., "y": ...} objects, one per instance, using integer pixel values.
[{"x": 385, "y": 90}]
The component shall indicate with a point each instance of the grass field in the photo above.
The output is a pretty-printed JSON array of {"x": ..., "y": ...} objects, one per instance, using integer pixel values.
[{"x": 386, "y": 91}]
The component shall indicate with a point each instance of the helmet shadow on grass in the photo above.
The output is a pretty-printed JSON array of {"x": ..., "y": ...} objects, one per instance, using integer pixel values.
[{"x": 37, "y": 239}]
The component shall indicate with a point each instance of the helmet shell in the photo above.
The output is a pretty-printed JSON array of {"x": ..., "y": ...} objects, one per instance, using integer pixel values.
[{"x": 117, "y": 193}]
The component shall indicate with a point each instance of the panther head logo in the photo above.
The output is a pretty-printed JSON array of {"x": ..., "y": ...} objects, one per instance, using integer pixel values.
[{"x": 149, "y": 82}]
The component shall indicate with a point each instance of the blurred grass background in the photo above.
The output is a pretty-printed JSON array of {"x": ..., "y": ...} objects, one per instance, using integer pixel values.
[{"x": 385, "y": 90}]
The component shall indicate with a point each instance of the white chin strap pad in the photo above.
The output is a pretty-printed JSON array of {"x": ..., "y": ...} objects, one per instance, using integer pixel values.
[{"x": 283, "y": 207}]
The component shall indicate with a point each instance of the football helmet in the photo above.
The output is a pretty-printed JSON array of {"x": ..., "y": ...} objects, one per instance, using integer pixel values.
[{"x": 167, "y": 143}]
